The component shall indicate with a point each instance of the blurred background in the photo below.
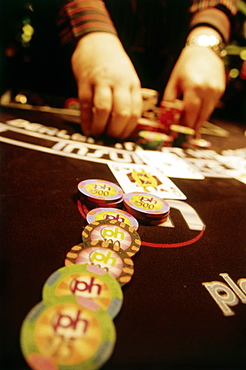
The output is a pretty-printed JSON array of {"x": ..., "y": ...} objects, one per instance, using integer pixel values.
[{"x": 32, "y": 61}]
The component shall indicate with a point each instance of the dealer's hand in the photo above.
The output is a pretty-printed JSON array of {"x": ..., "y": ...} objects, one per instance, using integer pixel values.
[
  {"x": 199, "y": 75},
  {"x": 108, "y": 86}
]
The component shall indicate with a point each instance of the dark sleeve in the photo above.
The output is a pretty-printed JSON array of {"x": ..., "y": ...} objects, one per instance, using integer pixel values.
[
  {"x": 80, "y": 17},
  {"x": 206, "y": 14}
]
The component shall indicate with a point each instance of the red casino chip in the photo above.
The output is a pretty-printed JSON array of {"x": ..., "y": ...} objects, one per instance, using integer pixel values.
[
  {"x": 170, "y": 113},
  {"x": 72, "y": 103},
  {"x": 91, "y": 205}
]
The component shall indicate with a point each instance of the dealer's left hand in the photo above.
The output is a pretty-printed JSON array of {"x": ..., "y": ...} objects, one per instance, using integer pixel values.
[{"x": 199, "y": 76}]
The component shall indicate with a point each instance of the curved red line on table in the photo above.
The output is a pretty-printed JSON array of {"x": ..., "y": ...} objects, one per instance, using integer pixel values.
[{"x": 174, "y": 245}]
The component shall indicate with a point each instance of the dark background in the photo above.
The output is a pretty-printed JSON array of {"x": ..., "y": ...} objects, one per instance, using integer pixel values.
[{"x": 42, "y": 66}]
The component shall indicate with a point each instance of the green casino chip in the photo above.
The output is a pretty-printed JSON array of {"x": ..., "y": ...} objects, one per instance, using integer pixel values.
[
  {"x": 151, "y": 140},
  {"x": 92, "y": 286},
  {"x": 64, "y": 335},
  {"x": 181, "y": 135}
]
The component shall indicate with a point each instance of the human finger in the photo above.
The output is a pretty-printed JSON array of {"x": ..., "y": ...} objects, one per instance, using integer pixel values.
[
  {"x": 121, "y": 112},
  {"x": 102, "y": 107},
  {"x": 85, "y": 96},
  {"x": 137, "y": 106},
  {"x": 171, "y": 91},
  {"x": 192, "y": 107},
  {"x": 207, "y": 108}
]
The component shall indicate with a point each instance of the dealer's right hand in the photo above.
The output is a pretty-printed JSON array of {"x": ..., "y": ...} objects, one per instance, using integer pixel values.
[{"x": 109, "y": 89}]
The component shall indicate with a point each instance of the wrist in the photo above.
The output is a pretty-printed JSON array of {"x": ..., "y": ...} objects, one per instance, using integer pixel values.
[
  {"x": 214, "y": 20},
  {"x": 207, "y": 38}
]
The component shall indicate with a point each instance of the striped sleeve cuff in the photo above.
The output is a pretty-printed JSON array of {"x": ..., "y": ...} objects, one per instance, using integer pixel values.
[
  {"x": 80, "y": 17},
  {"x": 230, "y": 5},
  {"x": 214, "y": 16}
]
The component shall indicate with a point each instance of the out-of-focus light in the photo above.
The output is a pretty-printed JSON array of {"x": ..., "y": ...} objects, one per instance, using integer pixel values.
[
  {"x": 28, "y": 29},
  {"x": 20, "y": 98},
  {"x": 30, "y": 7},
  {"x": 234, "y": 73},
  {"x": 243, "y": 71},
  {"x": 243, "y": 54},
  {"x": 10, "y": 51},
  {"x": 26, "y": 20},
  {"x": 27, "y": 32},
  {"x": 26, "y": 38}
]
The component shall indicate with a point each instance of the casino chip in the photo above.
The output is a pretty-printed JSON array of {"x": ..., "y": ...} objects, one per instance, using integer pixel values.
[
  {"x": 111, "y": 214},
  {"x": 150, "y": 140},
  {"x": 119, "y": 234},
  {"x": 100, "y": 193},
  {"x": 170, "y": 113},
  {"x": 147, "y": 208},
  {"x": 117, "y": 263},
  {"x": 92, "y": 286},
  {"x": 200, "y": 143},
  {"x": 150, "y": 100},
  {"x": 181, "y": 135},
  {"x": 63, "y": 335}
]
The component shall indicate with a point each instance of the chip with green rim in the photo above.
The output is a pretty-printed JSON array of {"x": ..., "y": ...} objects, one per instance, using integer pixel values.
[
  {"x": 92, "y": 286},
  {"x": 61, "y": 334}
]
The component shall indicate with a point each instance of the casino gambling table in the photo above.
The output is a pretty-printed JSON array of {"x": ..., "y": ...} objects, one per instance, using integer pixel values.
[{"x": 185, "y": 306}]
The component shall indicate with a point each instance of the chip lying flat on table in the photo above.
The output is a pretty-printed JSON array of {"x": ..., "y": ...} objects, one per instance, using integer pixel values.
[
  {"x": 97, "y": 214},
  {"x": 116, "y": 262},
  {"x": 61, "y": 334},
  {"x": 121, "y": 235},
  {"x": 92, "y": 286}
]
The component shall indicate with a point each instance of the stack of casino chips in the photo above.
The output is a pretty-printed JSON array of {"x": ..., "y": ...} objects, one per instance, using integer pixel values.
[
  {"x": 170, "y": 113},
  {"x": 150, "y": 99},
  {"x": 100, "y": 193},
  {"x": 147, "y": 208}
]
